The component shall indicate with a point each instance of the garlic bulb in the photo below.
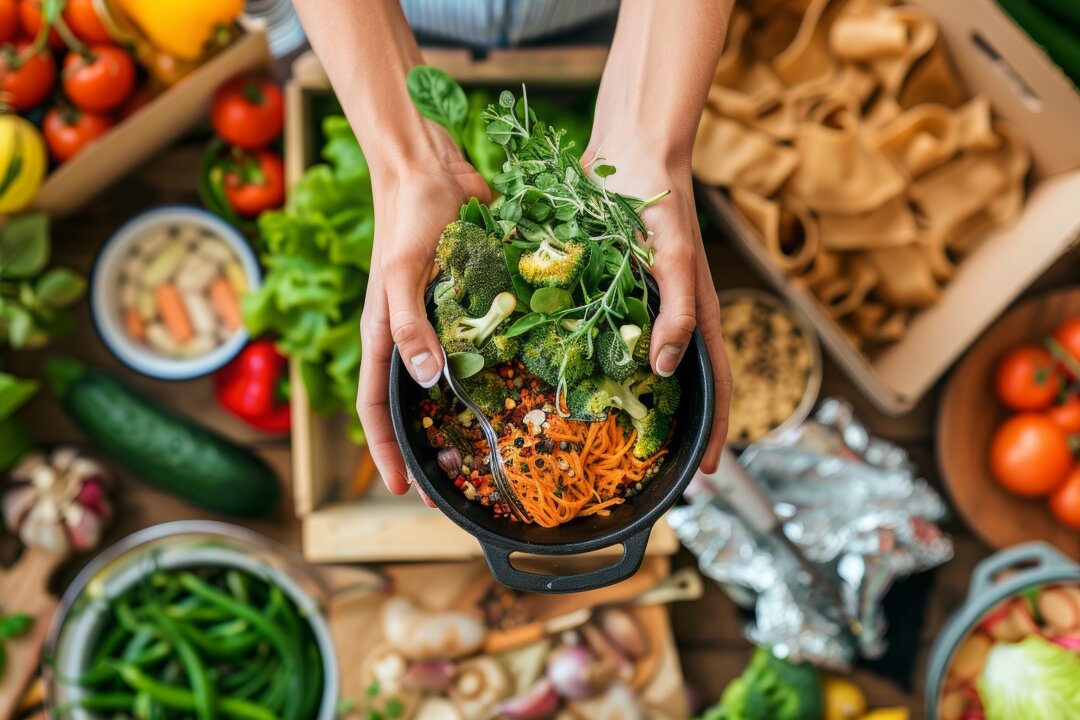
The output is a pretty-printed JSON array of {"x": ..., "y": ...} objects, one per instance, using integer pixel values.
[{"x": 58, "y": 502}]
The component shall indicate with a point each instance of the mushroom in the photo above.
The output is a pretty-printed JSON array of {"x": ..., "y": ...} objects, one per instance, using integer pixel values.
[
  {"x": 422, "y": 635},
  {"x": 58, "y": 502},
  {"x": 479, "y": 686},
  {"x": 437, "y": 709},
  {"x": 385, "y": 666}
]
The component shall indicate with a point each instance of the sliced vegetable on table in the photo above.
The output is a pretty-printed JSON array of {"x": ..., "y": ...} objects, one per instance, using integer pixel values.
[
  {"x": 162, "y": 448},
  {"x": 254, "y": 387}
]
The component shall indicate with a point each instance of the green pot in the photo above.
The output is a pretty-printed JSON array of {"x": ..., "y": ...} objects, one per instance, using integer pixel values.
[{"x": 1030, "y": 564}]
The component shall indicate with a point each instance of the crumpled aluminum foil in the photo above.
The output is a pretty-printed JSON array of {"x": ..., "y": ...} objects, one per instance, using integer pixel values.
[{"x": 852, "y": 503}]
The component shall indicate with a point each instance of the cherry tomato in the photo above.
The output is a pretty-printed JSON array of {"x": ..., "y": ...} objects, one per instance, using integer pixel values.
[
  {"x": 1030, "y": 455},
  {"x": 248, "y": 113},
  {"x": 28, "y": 85},
  {"x": 1065, "y": 502},
  {"x": 9, "y": 20},
  {"x": 84, "y": 21},
  {"x": 1068, "y": 337},
  {"x": 68, "y": 131},
  {"x": 101, "y": 81},
  {"x": 1066, "y": 415},
  {"x": 256, "y": 184},
  {"x": 1027, "y": 378},
  {"x": 30, "y": 23}
]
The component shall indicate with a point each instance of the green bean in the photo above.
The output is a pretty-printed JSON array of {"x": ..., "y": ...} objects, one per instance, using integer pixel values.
[
  {"x": 139, "y": 642},
  {"x": 232, "y": 627},
  {"x": 314, "y": 686},
  {"x": 106, "y": 701},
  {"x": 256, "y": 682},
  {"x": 113, "y": 640},
  {"x": 251, "y": 668},
  {"x": 180, "y": 698},
  {"x": 290, "y": 656},
  {"x": 205, "y": 694},
  {"x": 220, "y": 647},
  {"x": 237, "y": 583}
]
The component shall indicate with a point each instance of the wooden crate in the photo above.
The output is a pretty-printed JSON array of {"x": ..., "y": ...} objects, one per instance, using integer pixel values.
[{"x": 380, "y": 526}]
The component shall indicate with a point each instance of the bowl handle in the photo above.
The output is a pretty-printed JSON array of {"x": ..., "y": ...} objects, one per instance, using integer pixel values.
[
  {"x": 1034, "y": 554},
  {"x": 498, "y": 559}
]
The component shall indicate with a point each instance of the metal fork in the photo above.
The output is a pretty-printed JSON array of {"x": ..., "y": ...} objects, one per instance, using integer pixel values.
[{"x": 495, "y": 459}]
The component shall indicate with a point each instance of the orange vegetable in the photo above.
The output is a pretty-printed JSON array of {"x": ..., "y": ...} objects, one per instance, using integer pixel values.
[
  {"x": 136, "y": 328},
  {"x": 170, "y": 304},
  {"x": 225, "y": 302}
]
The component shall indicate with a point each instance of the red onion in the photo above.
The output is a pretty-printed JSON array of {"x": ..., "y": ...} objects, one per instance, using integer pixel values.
[
  {"x": 539, "y": 702},
  {"x": 623, "y": 632},
  {"x": 433, "y": 676},
  {"x": 574, "y": 673}
]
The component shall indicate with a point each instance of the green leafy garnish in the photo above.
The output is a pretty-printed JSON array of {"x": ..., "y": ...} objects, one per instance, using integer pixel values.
[{"x": 317, "y": 255}]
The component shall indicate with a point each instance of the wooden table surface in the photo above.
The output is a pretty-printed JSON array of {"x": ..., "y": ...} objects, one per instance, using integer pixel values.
[{"x": 708, "y": 631}]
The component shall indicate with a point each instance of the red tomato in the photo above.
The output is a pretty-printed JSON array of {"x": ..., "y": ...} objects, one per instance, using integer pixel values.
[
  {"x": 101, "y": 81},
  {"x": 1027, "y": 378},
  {"x": 1030, "y": 455},
  {"x": 1068, "y": 337},
  {"x": 67, "y": 131},
  {"x": 28, "y": 85},
  {"x": 1065, "y": 502},
  {"x": 84, "y": 21},
  {"x": 248, "y": 113},
  {"x": 30, "y": 23},
  {"x": 258, "y": 184},
  {"x": 9, "y": 20},
  {"x": 1066, "y": 415}
]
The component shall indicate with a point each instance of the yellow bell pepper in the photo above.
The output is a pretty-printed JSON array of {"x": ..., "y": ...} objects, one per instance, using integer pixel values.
[
  {"x": 896, "y": 713},
  {"x": 22, "y": 163},
  {"x": 842, "y": 698},
  {"x": 181, "y": 28}
]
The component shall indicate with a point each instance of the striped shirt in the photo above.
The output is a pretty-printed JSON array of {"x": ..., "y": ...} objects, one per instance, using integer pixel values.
[{"x": 501, "y": 23}]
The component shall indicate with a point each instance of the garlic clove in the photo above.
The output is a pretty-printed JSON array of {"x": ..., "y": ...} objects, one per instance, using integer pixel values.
[
  {"x": 17, "y": 503},
  {"x": 624, "y": 632},
  {"x": 41, "y": 529},
  {"x": 24, "y": 470}
]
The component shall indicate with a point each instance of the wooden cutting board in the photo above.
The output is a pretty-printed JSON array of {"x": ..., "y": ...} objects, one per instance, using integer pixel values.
[
  {"x": 356, "y": 626},
  {"x": 23, "y": 589}
]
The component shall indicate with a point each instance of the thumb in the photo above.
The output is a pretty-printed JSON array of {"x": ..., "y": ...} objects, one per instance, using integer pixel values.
[
  {"x": 674, "y": 326},
  {"x": 412, "y": 333}
]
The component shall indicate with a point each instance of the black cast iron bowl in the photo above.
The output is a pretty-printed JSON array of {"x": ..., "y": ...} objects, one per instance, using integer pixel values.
[{"x": 628, "y": 524}]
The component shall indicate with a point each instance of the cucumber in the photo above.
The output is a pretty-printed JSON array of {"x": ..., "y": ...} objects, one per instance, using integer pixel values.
[
  {"x": 1062, "y": 47},
  {"x": 162, "y": 448}
]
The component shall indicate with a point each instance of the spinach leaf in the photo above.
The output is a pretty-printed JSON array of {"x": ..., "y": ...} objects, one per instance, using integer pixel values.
[{"x": 438, "y": 97}]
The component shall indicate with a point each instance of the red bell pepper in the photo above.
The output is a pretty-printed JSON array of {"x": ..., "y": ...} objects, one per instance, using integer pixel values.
[{"x": 254, "y": 387}]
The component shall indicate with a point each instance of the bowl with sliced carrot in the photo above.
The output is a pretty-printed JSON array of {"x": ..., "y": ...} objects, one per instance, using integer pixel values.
[
  {"x": 166, "y": 289},
  {"x": 1013, "y": 649}
]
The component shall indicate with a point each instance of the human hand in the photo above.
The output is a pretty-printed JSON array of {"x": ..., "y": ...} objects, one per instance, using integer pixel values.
[
  {"x": 413, "y": 203},
  {"x": 687, "y": 296}
]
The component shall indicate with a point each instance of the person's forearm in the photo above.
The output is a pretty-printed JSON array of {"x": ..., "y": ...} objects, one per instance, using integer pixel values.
[
  {"x": 657, "y": 77},
  {"x": 367, "y": 48}
]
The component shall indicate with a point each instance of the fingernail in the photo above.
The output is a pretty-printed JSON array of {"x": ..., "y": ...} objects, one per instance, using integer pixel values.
[
  {"x": 668, "y": 360},
  {"x": 426, "y": 369}
]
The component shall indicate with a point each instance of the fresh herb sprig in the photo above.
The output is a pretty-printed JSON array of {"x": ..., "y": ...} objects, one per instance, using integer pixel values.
[{"x": 547, "y": 196}]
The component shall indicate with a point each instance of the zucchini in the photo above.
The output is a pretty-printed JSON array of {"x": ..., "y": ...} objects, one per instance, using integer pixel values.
[
  {"x": 1062, "y": 47},
  {"x": 162, "y": 448}
]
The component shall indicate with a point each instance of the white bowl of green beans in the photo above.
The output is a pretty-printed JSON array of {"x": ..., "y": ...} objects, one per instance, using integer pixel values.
[{"x": 192, "y": 619}]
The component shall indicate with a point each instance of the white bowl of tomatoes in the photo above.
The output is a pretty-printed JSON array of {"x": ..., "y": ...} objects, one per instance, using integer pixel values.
[{"x": 1009, "y": 427}]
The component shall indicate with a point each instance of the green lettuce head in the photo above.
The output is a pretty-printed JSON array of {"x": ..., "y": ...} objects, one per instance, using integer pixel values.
[{"x": 1034, "y": 680}]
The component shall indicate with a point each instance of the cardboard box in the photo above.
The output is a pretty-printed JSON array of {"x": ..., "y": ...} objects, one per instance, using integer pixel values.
[
  {"x": 996, "y": 59},
  {"x": 380, "y": 526},
  {"x": 151, "y": 129}
]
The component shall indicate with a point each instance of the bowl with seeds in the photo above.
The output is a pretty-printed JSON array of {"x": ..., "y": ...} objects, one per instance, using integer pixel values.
[
  {"x": 775, "y": 364},
  {"x": 165, "y": 292}
]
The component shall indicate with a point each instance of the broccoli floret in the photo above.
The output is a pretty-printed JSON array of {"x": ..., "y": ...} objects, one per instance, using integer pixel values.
[
  {"x": 665, "y": 391},
  {"x": 460, "y": 332},
  {"x": 500, "y": 349},
  {"x": 554, "y": 263},
  {"x": 652, "y": 431},
  {"x": 614, "y": 352},
  {"x": 546, "y": 349},
  {"x": 591, "y": 399},
  {"x": 487, "y": 390},
  {"x": 476, "y": 264}
]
